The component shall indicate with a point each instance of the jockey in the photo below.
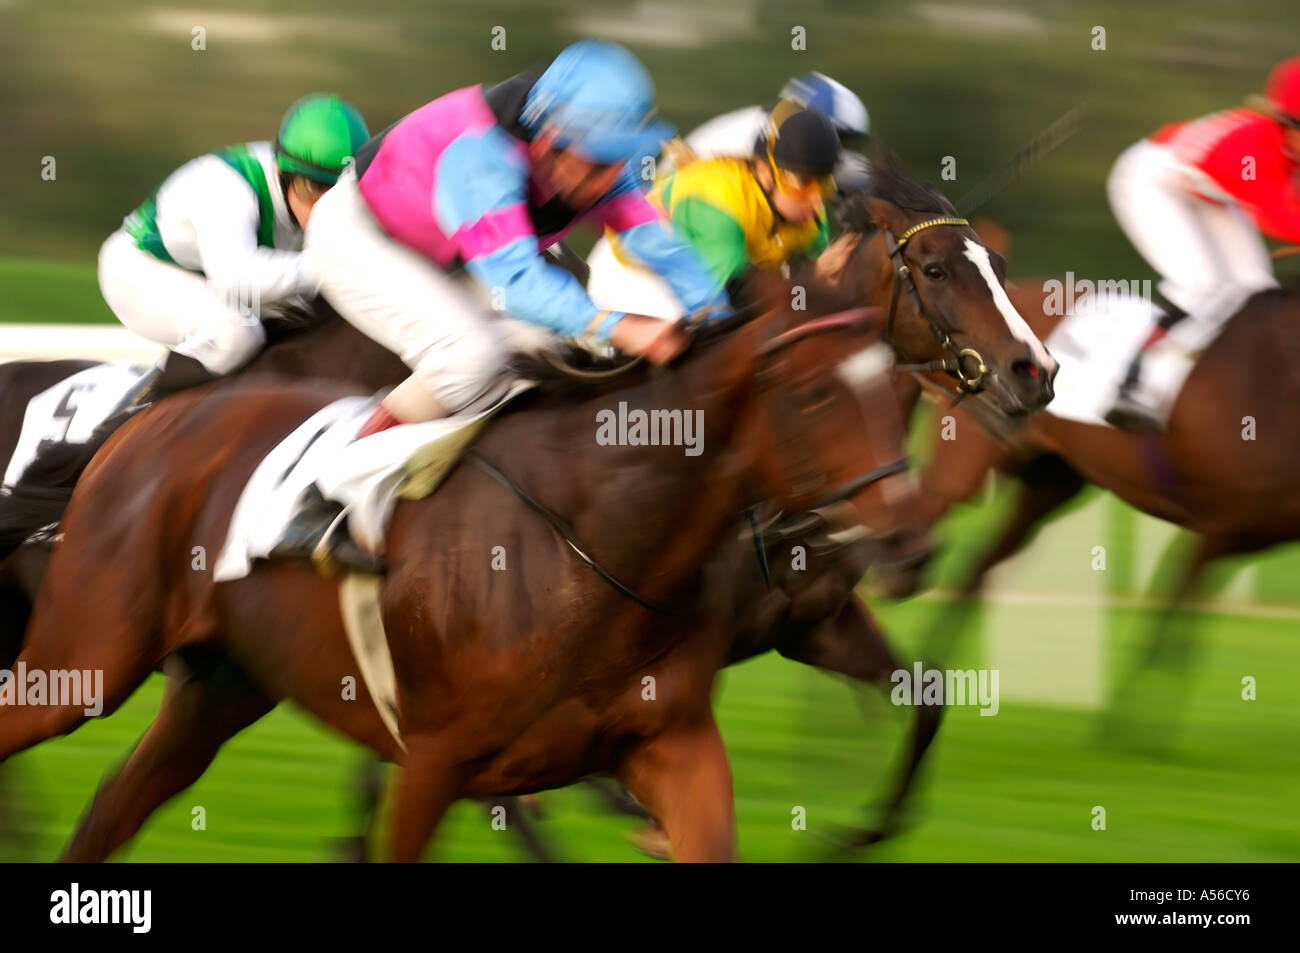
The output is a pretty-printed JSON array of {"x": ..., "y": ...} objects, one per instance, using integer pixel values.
[
  {"x": 477, "y": 183},
  {"x": 1194, "y": 199},
  {"x": 443, "y": 220},
  {"x": 761, "y": 212},
  {"x": 736, "y": 133},
  {"x": 221, "y": 238}
]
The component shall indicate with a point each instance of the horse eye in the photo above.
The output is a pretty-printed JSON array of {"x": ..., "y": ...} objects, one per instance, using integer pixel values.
[{"x": 934, "y": 272}]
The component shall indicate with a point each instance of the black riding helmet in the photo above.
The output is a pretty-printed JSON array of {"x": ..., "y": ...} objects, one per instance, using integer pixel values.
[{"x": 800, "y": 140}]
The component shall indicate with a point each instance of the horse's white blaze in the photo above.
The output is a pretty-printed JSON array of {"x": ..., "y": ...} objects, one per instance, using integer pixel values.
[
  {"x": 865, "y": 366},
  {"x": 1017, "y": 325}
]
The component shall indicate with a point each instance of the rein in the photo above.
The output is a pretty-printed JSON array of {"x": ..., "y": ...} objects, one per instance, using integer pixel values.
[
  {"x": 852, "y": 320},
  {"x": 567, "y": 533},
  {"x": 954, "y": 366}
]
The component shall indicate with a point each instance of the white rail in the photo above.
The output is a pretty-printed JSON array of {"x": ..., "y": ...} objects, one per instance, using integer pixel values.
[{"x": 104, "y": 342}]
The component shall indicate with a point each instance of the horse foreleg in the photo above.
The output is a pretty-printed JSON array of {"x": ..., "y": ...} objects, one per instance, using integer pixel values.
[
  {"x": 684, "y": 779},
  {"x": 852, "y": 644},
  {"x": 107, "y": 671},
  {"x": 1046, "y": 484},
  {"x": 426, "y": 789},
  {"x": 203, "y": 706}
]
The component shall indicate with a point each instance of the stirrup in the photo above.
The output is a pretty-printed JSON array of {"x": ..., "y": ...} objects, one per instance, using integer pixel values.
[
  {"x": 331, "y": 549},
  {"x": 1130, "y": 414}
]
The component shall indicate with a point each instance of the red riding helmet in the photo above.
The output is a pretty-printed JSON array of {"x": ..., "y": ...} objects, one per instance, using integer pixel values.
[{"x": 1283, "y": 89}]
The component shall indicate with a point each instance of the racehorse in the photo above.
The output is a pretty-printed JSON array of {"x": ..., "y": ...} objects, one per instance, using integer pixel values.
[
  {"x": 507, "y": 682},
  {"x": 959, "y": 305},
  {"x": 1202, "y": 473},
  {"x": 954, "y": 313}
]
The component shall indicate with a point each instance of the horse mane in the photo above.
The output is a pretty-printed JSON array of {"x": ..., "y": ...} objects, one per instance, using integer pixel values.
[{"x": 891, "y": 182}]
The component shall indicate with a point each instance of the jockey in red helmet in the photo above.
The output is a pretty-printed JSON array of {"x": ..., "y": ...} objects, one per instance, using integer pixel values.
[{"x": 1194, "y": 199}]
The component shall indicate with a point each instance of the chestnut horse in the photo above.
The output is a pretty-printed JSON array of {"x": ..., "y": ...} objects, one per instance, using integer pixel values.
[{"x": 508, "y": 682}]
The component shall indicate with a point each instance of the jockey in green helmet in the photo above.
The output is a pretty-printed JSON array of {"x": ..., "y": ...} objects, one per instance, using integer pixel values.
[{"x": 220, "y": 240}]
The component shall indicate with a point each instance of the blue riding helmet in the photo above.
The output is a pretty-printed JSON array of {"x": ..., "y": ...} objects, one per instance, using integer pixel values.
[
  {"x": 835, "y": 101},
  {"x": 600, "y": 100}
]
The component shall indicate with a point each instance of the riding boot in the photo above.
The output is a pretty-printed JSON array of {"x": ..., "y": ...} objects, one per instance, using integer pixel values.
[
  {"x": 176, "y": 372},
  {"x": 173, "y": 373},
  {"x": 1129, "y": 412},
  {"x": 319, "y": 534}
]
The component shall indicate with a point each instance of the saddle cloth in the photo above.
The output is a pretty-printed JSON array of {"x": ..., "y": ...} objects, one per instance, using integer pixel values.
[
  {"x": 367, "y": 476},
  {"x": 70, "y": 411},
  {"x": 1095, "y": 345}
]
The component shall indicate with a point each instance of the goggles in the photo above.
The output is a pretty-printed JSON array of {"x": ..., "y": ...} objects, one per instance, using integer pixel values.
[{"x": 806, "y": 187}]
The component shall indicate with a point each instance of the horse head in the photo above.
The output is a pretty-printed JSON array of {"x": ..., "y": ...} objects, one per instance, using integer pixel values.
[{"x": 945, "y": 293}]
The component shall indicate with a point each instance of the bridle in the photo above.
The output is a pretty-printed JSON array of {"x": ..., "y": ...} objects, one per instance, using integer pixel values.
[
  {"x": 954, "y": 366},
  {"x": 826, "y": 507}
]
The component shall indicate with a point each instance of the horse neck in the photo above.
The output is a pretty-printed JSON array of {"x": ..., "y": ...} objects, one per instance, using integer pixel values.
[{"x": 677, "y": 508}]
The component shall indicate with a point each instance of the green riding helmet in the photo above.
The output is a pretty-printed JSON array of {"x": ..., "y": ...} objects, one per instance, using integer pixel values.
[{"x": 318, "y": 137}]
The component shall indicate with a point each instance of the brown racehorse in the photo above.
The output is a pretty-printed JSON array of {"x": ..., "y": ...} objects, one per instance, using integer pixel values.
[
  {"x": 812, "y": 616},
  {"x": 508, "y": 682},
  {"x": 851, "y": 643},
  {"x": 1237, "y": 495}
]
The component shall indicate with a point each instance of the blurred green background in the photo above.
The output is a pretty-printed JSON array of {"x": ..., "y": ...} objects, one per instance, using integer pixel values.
[{"x": 113, "y": 91}]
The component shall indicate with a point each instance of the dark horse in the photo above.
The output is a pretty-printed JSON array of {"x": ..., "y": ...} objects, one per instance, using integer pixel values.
[
  {"x": 508, "y": 682},
  {"x": 1236, "y": 494}
]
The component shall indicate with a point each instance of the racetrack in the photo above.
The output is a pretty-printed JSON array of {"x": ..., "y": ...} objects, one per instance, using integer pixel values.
[{"x": 1018, "y": 786}]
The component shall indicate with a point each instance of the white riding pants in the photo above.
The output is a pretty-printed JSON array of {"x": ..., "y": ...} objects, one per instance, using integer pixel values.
[
  {"x": 176, "y": 308},
  {"x": 1210, "y": 256},
  {"x": 454, "y": 344}
]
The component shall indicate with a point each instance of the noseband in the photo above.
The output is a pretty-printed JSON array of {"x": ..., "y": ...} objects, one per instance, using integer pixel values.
[{"x": 955, "y": 365}]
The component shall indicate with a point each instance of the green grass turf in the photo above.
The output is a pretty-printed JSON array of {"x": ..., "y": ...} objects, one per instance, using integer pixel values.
[
  {"x": 1018, "y": 786},
  {"x": 50, "y": 292}
]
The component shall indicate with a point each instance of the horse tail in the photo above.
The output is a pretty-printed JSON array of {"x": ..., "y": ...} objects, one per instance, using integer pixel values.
[{"x": 42, "y": 493}]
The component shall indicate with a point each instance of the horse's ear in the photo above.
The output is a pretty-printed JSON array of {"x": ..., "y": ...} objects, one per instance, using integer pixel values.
[
  {"x": 854, "y": 214},
  {"x": 941, "y": 200},
  {"x": 885, "y": 214}
]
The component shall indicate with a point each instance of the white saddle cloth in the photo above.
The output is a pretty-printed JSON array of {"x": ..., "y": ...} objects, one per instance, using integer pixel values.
[
  {"x": 70, "y": 410},
  {"x": 1095, "y": 345},
  {"x": 367, "y": 476}
]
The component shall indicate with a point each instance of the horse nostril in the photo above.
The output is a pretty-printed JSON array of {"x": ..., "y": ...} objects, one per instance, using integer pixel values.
[{"x": 1027, "y": 372}]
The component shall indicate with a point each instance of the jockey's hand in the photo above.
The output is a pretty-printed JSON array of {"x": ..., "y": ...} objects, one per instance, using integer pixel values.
[{"x": 658, "y": 340}]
